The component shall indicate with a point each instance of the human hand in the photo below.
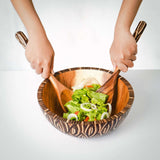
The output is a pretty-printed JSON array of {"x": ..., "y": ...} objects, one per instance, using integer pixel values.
[
  {"x": 40, "y": 54},
  {"x": 123, "y": 50}
]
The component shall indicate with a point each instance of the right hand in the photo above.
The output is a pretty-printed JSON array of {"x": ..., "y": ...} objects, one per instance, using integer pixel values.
[
  {"x": 123, "y": 50},
  {"x": 40, "y": 54}
]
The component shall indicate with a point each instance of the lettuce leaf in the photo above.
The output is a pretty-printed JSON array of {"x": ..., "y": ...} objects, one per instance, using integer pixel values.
[
  {"x": 92, "y": 115},
  {"x": 78, "y": 94},
  {"x": 65, "y": 115},
  {"x": 98, "y": 97},
  {"x": 84, "y": 99},
  {"x": 72, "y": 106},
  {"x": 95, "y": 87},
  {"x": 87, "y": 95}
]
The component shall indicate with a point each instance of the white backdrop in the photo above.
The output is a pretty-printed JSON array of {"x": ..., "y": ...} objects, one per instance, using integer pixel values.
[{"x": 81, "y": 32}]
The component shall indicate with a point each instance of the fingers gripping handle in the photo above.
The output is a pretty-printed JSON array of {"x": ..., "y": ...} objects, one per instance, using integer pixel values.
[
  {"x": 23, "y": 40},
  {"x": 137, "y": 34}
]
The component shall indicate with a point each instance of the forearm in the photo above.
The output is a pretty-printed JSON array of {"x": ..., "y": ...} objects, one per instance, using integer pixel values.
[
  {"x": 29, "y": 17},
  {"x": 127, "y": 14},
  {"x": 39, "y": 51},
  {"x": 124, "y": 48}
]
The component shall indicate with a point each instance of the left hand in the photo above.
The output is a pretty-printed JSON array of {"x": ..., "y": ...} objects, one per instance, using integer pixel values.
[{"x": 123, "y": 50}]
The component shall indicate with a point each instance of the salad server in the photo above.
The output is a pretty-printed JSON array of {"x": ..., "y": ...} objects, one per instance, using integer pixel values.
[
  {"x": 64, "y": 94},
  {"x": 109, "y": 87}
]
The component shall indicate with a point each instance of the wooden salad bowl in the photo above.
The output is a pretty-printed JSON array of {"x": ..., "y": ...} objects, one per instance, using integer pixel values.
[{"x": 70, "y": 77}]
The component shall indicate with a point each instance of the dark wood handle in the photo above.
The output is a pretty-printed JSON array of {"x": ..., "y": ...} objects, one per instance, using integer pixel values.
[
  {"x": 139, "y": 30},
  {"x": 21, "y": 37}
]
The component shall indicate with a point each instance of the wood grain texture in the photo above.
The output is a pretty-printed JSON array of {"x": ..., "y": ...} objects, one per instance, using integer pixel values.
[
  {"x": 21, "y": 37},
  {"x": 49, "y": 103},
  {"x": 139, "y": 30}
]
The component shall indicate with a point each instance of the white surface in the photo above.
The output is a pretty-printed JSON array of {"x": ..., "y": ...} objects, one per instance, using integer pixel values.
[
  {"x": 81, "y": 29},
  {"x": 26, "y": 134}
]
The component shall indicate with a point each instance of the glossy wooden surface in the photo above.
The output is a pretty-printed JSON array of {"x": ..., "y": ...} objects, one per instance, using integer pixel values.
[
  {"x": 63, "y": 93},
  {"x": 70, "y": 77},
  {"x": 109, "y": 87}
]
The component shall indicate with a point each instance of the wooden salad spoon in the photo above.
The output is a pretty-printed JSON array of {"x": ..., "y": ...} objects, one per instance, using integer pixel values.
[
  {"x": 109, "y": 87},
  {"x": 64, "y": 94}
]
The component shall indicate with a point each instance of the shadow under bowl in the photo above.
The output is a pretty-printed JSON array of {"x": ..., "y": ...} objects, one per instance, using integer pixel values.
[{"x": 71, "y": 77}]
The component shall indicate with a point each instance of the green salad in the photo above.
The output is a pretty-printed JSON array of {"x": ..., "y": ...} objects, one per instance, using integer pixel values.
[{"x": 87, "y": 105}]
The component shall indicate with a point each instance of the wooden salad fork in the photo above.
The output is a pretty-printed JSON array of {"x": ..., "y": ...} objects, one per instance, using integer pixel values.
[
  {"x": 109, "y": 87},
  {"x": 64, "y": 94}
]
